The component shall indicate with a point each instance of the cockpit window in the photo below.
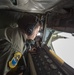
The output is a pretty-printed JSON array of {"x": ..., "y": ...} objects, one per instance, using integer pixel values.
[{"x": 63, "y": 45}]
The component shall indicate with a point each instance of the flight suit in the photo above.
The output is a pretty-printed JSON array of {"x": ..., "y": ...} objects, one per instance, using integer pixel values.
[{"x": 11, "y": 41}]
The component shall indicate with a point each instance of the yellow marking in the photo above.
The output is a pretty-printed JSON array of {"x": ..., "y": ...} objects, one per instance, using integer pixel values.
[
  {"x": 15, "y": 56},
  {"x": 56, "y": 57}
]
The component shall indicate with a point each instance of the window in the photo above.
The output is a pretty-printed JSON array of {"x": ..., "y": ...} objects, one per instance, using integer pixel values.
[{"x": 63, "y": 45}]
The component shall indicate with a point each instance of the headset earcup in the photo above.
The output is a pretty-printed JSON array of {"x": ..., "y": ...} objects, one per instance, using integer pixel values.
[
  {"x": 29, "y": 28},
  {"x": 29, "y": 31}
]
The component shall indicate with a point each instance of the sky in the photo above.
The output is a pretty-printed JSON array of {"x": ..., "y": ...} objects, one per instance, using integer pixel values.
[{"x": 64, "y": 48}]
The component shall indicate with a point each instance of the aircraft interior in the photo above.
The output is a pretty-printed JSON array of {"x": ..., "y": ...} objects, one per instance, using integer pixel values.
[{"x": 57, "y": 16}]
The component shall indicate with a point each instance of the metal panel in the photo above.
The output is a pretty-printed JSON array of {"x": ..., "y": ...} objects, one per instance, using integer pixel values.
[{"x": 35, "y": 6}]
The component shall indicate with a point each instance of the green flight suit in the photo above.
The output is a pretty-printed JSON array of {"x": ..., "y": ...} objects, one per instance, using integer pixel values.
[{"x": 11, "y": 40}]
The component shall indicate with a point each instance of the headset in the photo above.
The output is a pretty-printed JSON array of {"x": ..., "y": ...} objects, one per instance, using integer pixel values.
[
  {"x": 30, "y": 27},
  {"x": 28, "y": 23}
]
